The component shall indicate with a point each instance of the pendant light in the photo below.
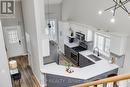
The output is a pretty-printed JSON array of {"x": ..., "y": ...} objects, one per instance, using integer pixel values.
[
  {"x": 119, "y": 4},
  {"x": 49, "y": 25}
]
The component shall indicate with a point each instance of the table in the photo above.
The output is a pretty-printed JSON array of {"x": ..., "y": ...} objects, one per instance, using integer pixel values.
[{"x": 15, "y": 76}]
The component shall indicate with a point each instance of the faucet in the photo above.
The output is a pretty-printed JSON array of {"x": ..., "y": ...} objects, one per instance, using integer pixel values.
[{"x": 94, "y": 51}]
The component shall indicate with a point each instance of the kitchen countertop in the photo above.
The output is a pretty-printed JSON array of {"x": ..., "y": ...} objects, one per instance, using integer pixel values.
[
  {"x": 71, "y": 45},
  {"x": 87, "y": 52},
  {"x": 84, "y": 73}
]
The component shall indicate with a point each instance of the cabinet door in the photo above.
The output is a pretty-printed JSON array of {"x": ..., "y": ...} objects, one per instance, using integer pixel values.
[
  {"x": 61, "y": 81},
  {"x": 83, "y": 61},
  {"x": 63, "y": 33},
  {"x": 117, "y": 44},
  {"x": 45, "y": 45},
  {"x": 67, "y": 51}
]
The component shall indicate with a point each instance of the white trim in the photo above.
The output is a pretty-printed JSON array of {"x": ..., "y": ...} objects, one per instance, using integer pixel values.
[
  {"x": 19, "y": 55},
  {"x": 37, "y": 79},
  {"x": 105, "y": 36}
]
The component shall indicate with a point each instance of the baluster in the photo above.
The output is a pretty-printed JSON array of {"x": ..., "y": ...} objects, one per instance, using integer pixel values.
[
  {"x": 123, "y": 83},
  {"x": 113, "y": 84},
  {"x": 101, "y": 85},
  {"x": 91, "y": 86},
  {"x": 110, "y": 84}
]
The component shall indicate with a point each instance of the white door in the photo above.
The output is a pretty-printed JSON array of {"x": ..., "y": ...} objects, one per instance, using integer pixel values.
[
  {"x": 53, "y": 30},
  {"x": 13, "y": 41}
]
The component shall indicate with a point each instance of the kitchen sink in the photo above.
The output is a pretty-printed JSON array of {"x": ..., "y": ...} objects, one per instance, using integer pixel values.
[{"x": 93, "y": 57}]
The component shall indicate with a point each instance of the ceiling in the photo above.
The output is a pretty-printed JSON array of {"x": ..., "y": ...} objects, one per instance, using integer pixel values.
[{"x": 53, "y": 1}]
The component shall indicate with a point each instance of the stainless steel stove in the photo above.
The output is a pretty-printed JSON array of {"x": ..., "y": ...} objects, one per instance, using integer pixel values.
[{"x": 75, "y": 52}]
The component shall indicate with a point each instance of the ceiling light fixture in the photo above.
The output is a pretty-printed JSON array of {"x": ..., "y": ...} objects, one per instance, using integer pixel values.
[
  {"x": 100, "y": 12},
  {"x": 49, "y": 25},
  {"x": 112, "y": 20},
  {"x": 112, "y": 11},
  {"x": 119, "y": 4}
]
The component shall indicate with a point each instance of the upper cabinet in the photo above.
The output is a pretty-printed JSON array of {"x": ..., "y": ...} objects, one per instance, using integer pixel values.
[
  {"x": 83, "y": 29},
  {"x": 45, "y": 48},
  {"x": 118, "y": 44},
  {"x": 63, "y": 33},
  {"x": 89, "y": 35}
]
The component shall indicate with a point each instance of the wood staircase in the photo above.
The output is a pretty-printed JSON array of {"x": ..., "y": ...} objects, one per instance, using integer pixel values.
[{"x": 110, "y": 82}]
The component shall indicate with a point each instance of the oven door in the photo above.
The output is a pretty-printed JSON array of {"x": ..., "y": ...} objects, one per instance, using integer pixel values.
[{"x": 74, "y": 57}]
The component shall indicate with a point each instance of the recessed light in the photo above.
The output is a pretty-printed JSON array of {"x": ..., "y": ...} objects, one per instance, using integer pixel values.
[
  {"x": 129, "y": 16},
  {"x": 112, "y": 11},
  {"x": 100, "y": 12},
  {"x": 112, "y": 20}
]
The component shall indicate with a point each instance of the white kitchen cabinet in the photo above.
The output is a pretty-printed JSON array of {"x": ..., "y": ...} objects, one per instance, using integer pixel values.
[
  {"x": 63, "y": 33},
  {"x": 89, "y": 35},
  {"x": 83, "y": 29},
  {"x": 45, "y": 47},
  {"x": 118, "y": 44}
]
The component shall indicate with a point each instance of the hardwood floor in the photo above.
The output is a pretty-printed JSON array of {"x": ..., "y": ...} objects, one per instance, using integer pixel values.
[{"x": 28, "y": 79}]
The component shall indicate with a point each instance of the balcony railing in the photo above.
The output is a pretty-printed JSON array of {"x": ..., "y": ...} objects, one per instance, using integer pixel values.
[{"x": 111, "y": 81}]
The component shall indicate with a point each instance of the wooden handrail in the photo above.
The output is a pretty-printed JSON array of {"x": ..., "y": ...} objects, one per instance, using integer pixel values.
[{"x": 103, "y": 81}]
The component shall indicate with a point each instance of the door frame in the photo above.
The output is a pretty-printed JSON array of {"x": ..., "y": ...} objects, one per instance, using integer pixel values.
[{"x": 5, "y": 29}]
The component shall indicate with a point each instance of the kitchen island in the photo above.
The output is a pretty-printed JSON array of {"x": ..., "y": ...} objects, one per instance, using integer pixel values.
[{"x": 58, "y": 77}]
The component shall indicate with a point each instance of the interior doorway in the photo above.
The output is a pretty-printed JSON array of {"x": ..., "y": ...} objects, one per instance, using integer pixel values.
[
  {"x": 14, "y": 41},
  {"x": 53, "y": 30}
]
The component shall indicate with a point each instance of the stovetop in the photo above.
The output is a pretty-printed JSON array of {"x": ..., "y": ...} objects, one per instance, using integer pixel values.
[{"x": 79, "y": 49}]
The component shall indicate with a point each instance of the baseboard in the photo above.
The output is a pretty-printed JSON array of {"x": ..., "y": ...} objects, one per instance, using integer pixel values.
[
  {"x": 45, "y": 85},
  {"x": 37, "y": 80},
  {"x": 19, "y": 55}
]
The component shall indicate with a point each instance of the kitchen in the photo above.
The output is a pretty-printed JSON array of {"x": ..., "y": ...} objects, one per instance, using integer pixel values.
[
  {"x": 82, "y": 52},
  {"x": 58, "y": 66},
  {"x": 73, "y": 41},
  {"x": 86, "y": 54}
]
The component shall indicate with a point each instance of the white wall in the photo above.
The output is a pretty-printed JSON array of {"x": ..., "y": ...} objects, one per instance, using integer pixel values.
[
  {"x": 34, "y": 20},
  {"x": 16, "y": 21},
  {"x": 86, "y": 12},
  {"x": 30, "y": 28},
  {"x": 54, "y": 11},
  {"x": 4, "y": 68},
  {"x": 53, "y": 1}
]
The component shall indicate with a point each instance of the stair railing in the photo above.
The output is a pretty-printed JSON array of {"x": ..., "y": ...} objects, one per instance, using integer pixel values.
[{"x": 105, "y": 81}]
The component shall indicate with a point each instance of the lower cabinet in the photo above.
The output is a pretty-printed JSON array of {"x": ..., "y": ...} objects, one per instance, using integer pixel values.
[
  {"x": 83, "y": 61},
  {"x": 62, "y": 81},
  {"x": 67, "y": 51}
]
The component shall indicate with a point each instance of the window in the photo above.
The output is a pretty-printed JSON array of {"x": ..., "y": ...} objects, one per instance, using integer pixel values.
[
  {"x": 103, "y": 43},
  {"x": 107, "y": 45},
  {"x": 13, "y": 37},
  {"x": 53, "y": 29},
  {"x": 100, "y": 42}
]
